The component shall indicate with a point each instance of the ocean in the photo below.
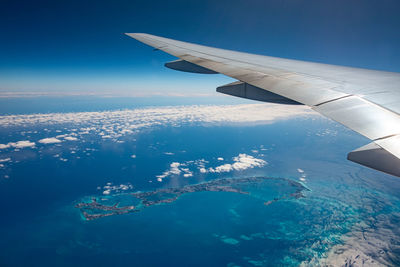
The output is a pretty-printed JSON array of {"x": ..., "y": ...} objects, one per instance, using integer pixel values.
[{"x": 58, "y": 152}]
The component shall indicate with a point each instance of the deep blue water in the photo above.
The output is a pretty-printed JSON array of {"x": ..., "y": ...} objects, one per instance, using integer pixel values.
[{"x": 41, "y": 227}]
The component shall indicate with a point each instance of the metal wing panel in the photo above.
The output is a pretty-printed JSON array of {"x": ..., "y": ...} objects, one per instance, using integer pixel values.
[
  {"x": 307, "y": 90},
  {"x": 362, "y": 116},
  {"x": 391, "y": 144},
  {"x": 303, "y": 92}
]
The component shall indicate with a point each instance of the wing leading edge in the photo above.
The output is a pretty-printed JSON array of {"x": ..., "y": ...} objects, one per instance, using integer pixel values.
[{"x": 365, "y": 101}]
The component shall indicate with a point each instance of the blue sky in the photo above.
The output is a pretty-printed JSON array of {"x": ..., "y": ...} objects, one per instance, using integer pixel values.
[{"x": 79, "y": 46}]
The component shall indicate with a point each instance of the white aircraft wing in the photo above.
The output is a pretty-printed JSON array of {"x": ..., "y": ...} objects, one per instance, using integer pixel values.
[{"x": 365, "y": 101}]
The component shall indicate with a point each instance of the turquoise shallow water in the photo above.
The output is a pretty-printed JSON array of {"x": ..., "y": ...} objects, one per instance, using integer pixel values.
[{"x": 348, "y": 212}]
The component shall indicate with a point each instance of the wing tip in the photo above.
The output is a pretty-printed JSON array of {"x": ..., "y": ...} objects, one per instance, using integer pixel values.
[
  {"x": 133, "y": 34},
  {"x": 136, "y": 35}
]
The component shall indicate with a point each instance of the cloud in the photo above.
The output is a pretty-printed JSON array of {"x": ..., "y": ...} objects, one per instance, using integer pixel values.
[
  {"x": 110, "y": 188},
  {"x": 220, "y": 158},
  {"x": 200, "y": 163},
  {"x": 203, "y": 170},
  {"x": 70, "y": 138},
  {"x": 173, "y": 170},
  {"x": 303, "y": 175},
  {"x": 176, "y": 168},
  {"x": 222, "y": 168},
  {"x": 51, "y": 140},
  {"x": 187, "y": 173},
  {"x": 241, "y": 162},
  {"x": 22, "y": 144},
  {"x": 129, "y": 120},
  {"x": 5, "y": 160},
  {"x": 114, "y": 125}
]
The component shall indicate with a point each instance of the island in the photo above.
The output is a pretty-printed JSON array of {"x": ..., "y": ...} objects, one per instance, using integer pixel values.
[
  {"x": 106, "y": 210},
  {"x": 257, "y": 187}
]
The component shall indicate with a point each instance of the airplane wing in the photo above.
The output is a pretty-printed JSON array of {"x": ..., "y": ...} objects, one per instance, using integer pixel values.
[{"x": 365, "y": 101}]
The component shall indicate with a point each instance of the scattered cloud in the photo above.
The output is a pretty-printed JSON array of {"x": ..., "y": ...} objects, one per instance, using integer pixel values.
[
  {"x": 51, "y": 140},
  {"x": 106, "y": 192},
  {"x": 220, "y": 158},
  {"x": 70, "y": 138},
  {"x": 22, "y": 144},
  {"x": 173, "y": 170},
  {"x": 222, "y": 168},
  {"x": 203, "y": 170},
  {"x": 3, "y": 146},
  {"x": 110, "y": 188},
  {"x": 240, "y": 163},
  {"x": 303, "y": 175}
]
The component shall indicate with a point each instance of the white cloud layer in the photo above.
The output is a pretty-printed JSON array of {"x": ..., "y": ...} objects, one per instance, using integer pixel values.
[
  {"x": 112, "y": 125},
  {"x": 132, "y": 119}
]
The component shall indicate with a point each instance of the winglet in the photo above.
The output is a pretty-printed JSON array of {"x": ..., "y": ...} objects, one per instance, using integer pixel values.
[{"x": 375, "y": 157}]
